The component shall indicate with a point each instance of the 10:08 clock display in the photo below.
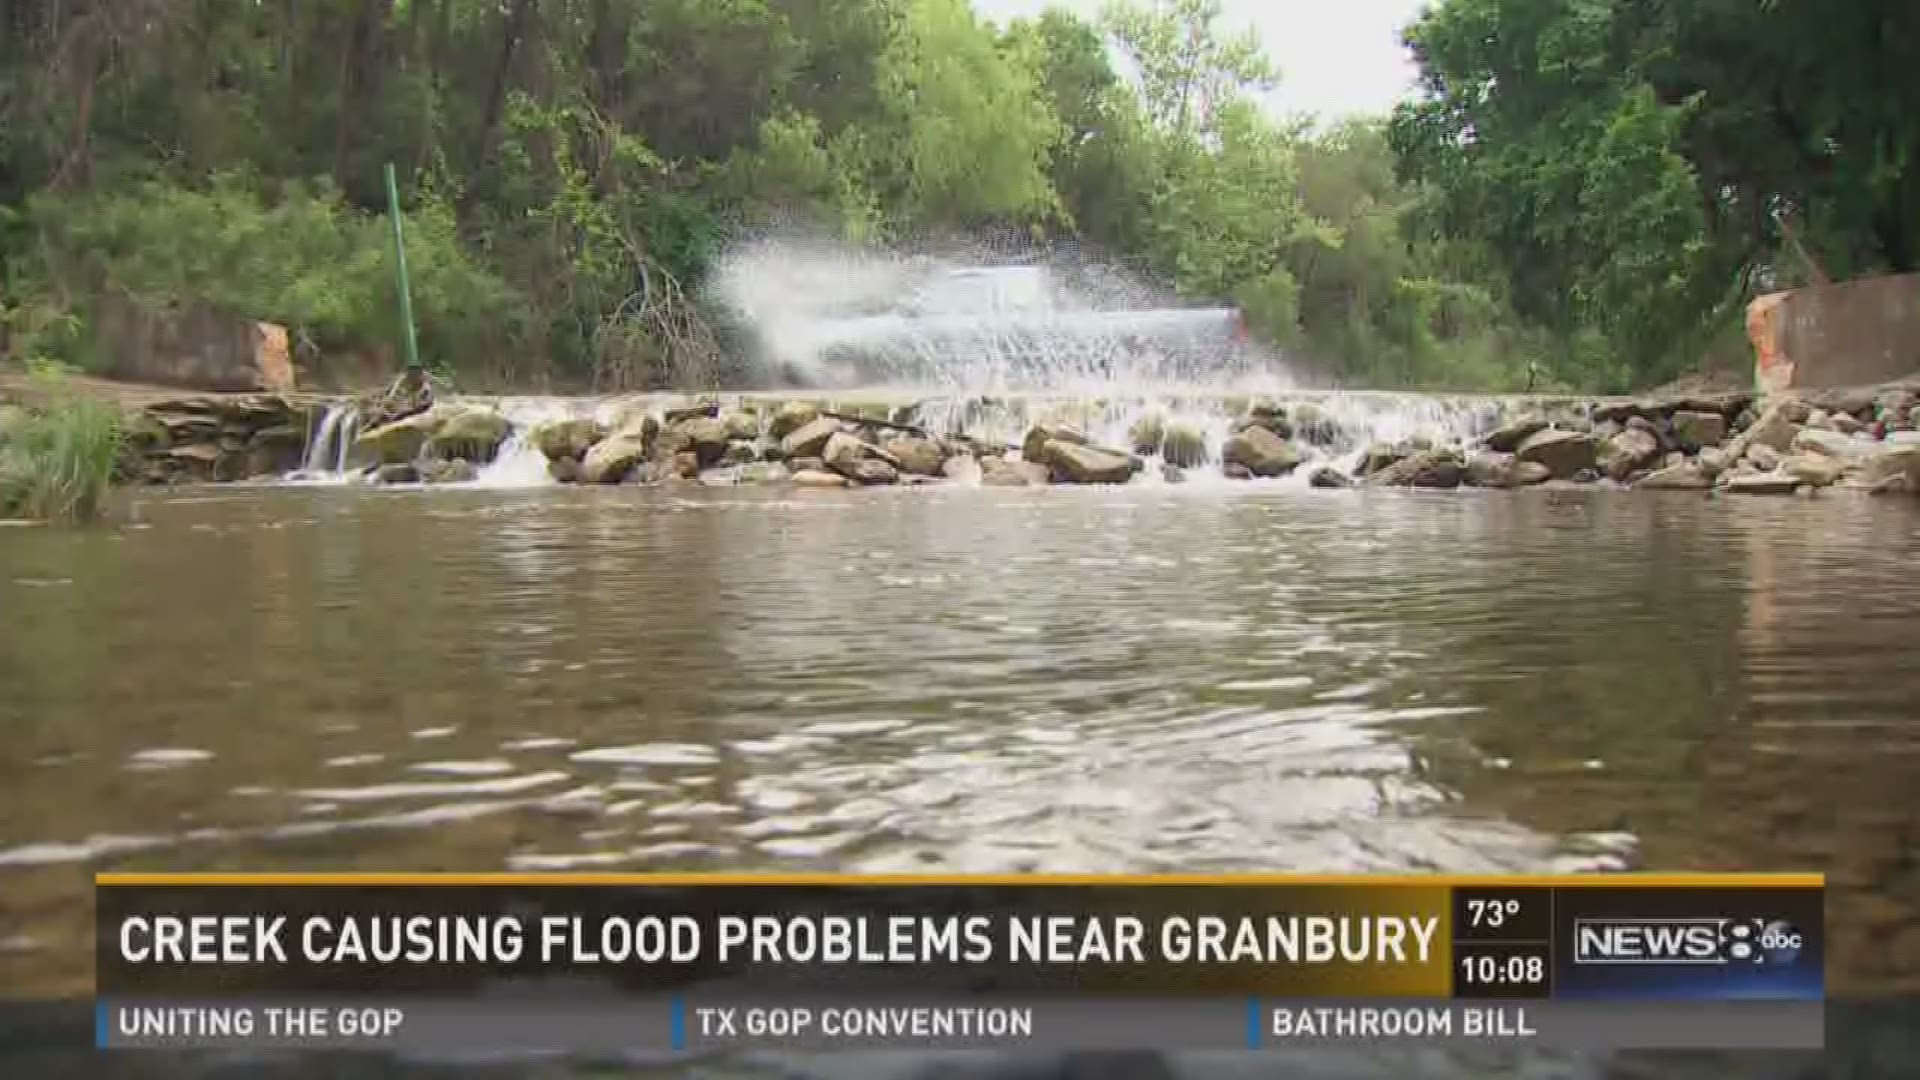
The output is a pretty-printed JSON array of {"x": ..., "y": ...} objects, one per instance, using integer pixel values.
[{"x": 1492, "y": 970}]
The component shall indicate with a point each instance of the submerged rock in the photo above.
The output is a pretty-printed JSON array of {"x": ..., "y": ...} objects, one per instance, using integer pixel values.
[
  {"x": 1426, "y": 469},
  {"x": 449, "y": 471},
  {"x": 1326, "y": 476},
  {"x": 1074, "y": 463},
  {"x": 1685, "y": 476},
  {"x": 1261, "y": 452},
  {"x": 1564, "y": 453}
]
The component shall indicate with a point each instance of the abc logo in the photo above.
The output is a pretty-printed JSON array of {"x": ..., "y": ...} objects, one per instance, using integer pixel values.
[{"x": 1774, "y": 942}]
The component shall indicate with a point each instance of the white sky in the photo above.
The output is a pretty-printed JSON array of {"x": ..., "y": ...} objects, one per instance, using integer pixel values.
[{"x": 1336, "y": 58}]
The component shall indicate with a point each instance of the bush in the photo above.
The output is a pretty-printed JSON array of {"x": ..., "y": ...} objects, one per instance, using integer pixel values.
[{"x": 57, "y": 459}]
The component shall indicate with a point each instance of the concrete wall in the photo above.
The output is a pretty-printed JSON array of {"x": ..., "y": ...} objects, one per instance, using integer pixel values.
[
  {"x": 1855, "y": 333},
  {"x": 192, "y": 346}
]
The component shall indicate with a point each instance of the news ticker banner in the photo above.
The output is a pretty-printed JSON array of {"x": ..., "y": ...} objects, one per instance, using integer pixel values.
[{"x": 710, "y": 963}]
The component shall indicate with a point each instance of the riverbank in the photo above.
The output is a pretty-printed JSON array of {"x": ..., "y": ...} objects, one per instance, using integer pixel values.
[{"x": 1738, "y": 442}]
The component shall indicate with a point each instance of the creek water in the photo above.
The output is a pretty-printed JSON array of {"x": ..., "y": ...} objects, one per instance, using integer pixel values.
[{"x": 1141, "y": 678}]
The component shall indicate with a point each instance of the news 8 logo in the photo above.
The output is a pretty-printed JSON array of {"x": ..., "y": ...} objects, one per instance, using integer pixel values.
[{"x": 1686, "y": 941}]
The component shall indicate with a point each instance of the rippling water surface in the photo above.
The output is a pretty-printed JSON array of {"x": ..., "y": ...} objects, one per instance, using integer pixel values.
[{"x": 963, "y": 679}]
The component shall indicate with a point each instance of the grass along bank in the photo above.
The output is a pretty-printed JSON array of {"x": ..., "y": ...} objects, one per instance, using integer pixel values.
[{"x": 58, "y": 456}]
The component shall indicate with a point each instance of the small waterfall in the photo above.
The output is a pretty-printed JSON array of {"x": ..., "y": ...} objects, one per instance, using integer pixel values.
[
  {"x": 326, "y": 456},
  {"x": 519, "y": 463}
]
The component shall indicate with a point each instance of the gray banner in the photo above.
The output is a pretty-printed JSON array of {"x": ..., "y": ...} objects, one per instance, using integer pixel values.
[{"x": 704, "y": 1024}]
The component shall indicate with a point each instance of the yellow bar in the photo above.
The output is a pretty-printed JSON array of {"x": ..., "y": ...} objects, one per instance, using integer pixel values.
[{"x": 1425, "y": 881}]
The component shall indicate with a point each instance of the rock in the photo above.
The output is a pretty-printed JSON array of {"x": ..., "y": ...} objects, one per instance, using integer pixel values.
[
  {"x": 567, "y": 438},
  {"x": 997, "y": 471},
  {"x": 805, "y": 463},
  {"x": 1313, "y": 426},
  {"x": 1894, "y": 462},
  {"x": 1233, "y": 470},
  {"x": 1326, "y": 476},
  {"x": 818, "y": 479},
  {"x": 1712, "y": 461},
  {"x": 1530, "y": 473},
  {"x": 1819, "y": 420},
  {"x": 1184, "y": 447},
  {"x": 1172, "y": 474},
  {"x": 1628, "y": 452},
  {"x": 1032, "y": 448},
  {"x": 1146, "y": 435},
  {"x": 764, "y": 472},
  {"x": 1490, "y": 469},
  {"x": 448, "y": 471},
  {"x": 1773, "y": 428},
  {"x": 396, "y": 472},
  {"x": 564, "y": 470},
  {"x": 1850, "y": 401},
  {"x": 1261, "y": 452},
  {"x": 961, "y": 469},
  {"x": 1619, "y": 412},
  {"x": 395, "y": 443},
  {"x": 1754, "y": 483},
  {"x": 1379, "y": 456},
  {"x": 1832, "y": 444},
  {"x": 685, "y": 464},
  {"x": 1764, "y": 457},
  {"x": 843, "y": 451},
  {"x": 873, "y": 471},
  {"x": 1902, "y": 438},
  {"x": 1268, "y": 416},
  {"x": 1695, "y": 431},
  {"x": 917, "y": 455},
  {"x": 1685, "y": 476},
  {"x": 473, "y": 434},
  {"x": 1673, "y": 458},
  {"x": 703, "y": 436},
  {"x": 810, "y": 438},
  {"x": 742, "y": 425},
  {"x": 1846, "y": 424},
  {"x": 1817, "y": 470},
  {"x": 1426, "y": 469},
  {"x": 699, "y": 410},
  {"x": 1076, "y": 464},
  {"x": 1795, "y": 410},
  {"x": 1586, "y": 476},
  {"x": 1564, "y": 453},
  {"x": 739, "y": 452},
  {"x": 1508, "y": 437},
  {"x": 790, "y": 417},
  {"x": 610, "y": 460},
  {"x": 1607, "y": 429}
]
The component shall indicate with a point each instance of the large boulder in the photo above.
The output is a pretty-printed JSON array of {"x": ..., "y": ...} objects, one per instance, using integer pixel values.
[
  {"x": 1260, "y": 451},
  {"x": 469, "y": 434},
  {"x": 1183, "y": 446},
  {"x": 567, "y": 438},
  {"x": 1774, "y": 428},
  {"x": 1628, "y": 452},
  {"x": 1695, "y": 431},
  {"x": 917, "y": 455},
  {"x": 1685, "y": 476},
  {"x": 1425, "y": 469},
  {"x": 611, "y": 459},
  {"x": 1033, "y": 447},
  {"x": 1831, "y": 444},
  {"x": 1078, "y": 464},
  {"x": 1490, "y": 469},
  {"x": 1507, "y": 437},
  {"x": 1895, "y": 462},
  {"x": 396, "y": 443},
  {"x": 1817, "y": 470},
  {"x": 705, "y": 437},
  {"x": 790, "y": 417},
  {"x": 810, "y": 438},
  {"x": 1564, "y": 453},
  {"x": 742, "y": 424}
]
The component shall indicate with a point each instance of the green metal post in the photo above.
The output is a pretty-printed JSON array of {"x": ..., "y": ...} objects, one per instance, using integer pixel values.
[{"x": 400, "y": 270}]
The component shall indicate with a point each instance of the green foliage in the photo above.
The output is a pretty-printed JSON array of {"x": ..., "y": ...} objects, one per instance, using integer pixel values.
[{"x": 57, "y": 459}]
